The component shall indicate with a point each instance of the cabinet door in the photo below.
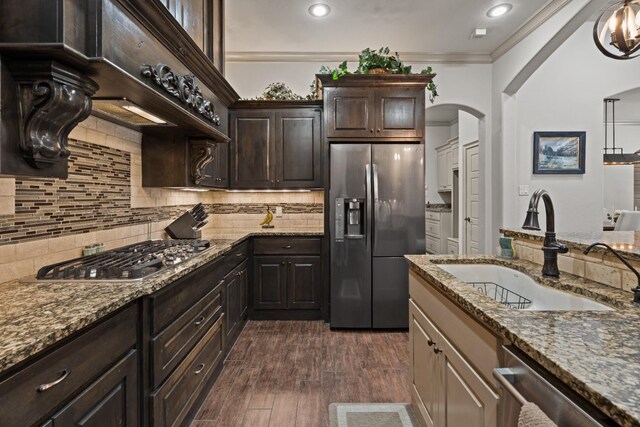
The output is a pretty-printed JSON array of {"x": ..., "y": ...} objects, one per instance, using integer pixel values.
[
  {"x": 449, "y": 169},
  {"x": 243, "y": 288},
  {"x": 350, "y": 112},
  {"x": 112, "y": 400},
  {"x": 252, "y": 149},
  {"x": 424, "y": 368},
  {"x": 298, "y": 139},
  {"x": 442, "y": 169},
  {"x": 232, "y": 298},
  {"x": 455, "y": 150},
  {"x": 222, "y": 163},
  {"x": 469, "y": 401},
  {"x": 304, "y": 280},
  {"x": 269, "y": 282},
  {"x": 399, "y": 113}
]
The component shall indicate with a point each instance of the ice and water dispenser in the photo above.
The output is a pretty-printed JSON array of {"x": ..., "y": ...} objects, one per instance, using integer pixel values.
[{"x": 350, "y": 219}]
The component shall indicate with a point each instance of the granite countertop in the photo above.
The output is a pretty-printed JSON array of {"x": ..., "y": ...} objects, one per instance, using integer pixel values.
[
  {"x": 627, "y": 243},
  {"x": 437, "y": 208},
  {"x": 36, "y": 315},
  {"x": 596, "y": 353}
]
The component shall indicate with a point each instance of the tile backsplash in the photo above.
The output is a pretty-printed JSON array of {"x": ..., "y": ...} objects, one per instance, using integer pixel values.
[{"x": 49, "y": 220}]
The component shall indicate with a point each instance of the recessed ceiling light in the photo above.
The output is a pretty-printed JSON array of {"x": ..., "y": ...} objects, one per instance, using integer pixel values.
[
  {"x": 499, "y": 10},
  {"x": 319, "y": 10}
]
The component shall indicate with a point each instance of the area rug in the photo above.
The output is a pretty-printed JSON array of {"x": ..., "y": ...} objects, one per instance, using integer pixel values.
[{"x": 371, "y": 415}]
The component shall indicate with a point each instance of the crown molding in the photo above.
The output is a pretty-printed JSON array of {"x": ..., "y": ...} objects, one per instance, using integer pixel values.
[
  {"x": 410, "y": 57},
  {"x": 539, "y": 18}
]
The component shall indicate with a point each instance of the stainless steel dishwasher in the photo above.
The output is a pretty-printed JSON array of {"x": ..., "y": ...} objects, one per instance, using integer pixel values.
[{"x": 520, "y": 383}]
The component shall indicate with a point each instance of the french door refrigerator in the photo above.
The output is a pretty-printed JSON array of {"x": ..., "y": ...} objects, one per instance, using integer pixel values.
[{"x": 377, "y": 209}]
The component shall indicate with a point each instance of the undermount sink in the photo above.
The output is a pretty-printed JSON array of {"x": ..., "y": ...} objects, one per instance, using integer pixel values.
[{"x": 517, "y": 290}]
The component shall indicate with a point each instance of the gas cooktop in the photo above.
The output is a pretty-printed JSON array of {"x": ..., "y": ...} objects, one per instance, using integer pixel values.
[{"x": 135, "y": 261}]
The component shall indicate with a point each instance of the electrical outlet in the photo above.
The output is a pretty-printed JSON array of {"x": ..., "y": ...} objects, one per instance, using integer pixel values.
[
  {"x": 523, "y": 190},
  {"x": 278, "y": 211}
]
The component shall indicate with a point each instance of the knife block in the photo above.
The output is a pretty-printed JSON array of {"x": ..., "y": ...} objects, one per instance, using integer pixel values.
[{"x": 183, "y": 227}]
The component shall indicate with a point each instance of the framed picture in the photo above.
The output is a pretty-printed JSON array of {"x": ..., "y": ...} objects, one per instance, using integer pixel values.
[{"x": 559, "y": 152}]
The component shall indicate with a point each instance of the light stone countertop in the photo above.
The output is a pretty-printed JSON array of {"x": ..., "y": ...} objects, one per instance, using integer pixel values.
[
  {"x": 627, "y": 243},
  {"x": 36, "y": 315},
  {"x": 596, "y": 353}
]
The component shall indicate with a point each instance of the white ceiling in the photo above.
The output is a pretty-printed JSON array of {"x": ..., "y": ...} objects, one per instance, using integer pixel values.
[{"x": 413, "y": 26}]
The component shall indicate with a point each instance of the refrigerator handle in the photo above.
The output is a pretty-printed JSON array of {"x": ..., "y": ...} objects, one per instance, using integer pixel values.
[
  {"x": 367, "y": 189},
  {"x": 376, "y": 206}
]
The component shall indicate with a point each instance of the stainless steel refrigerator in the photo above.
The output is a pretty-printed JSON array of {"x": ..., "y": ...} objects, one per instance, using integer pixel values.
[{"x": 376, "y": 216}]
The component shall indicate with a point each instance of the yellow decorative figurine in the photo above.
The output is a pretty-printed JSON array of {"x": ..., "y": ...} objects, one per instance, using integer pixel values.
[{"x": 266, "y": 222}]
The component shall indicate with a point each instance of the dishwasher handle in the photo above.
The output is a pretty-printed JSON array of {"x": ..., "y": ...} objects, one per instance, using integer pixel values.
[{"x": 506, "y": 377}]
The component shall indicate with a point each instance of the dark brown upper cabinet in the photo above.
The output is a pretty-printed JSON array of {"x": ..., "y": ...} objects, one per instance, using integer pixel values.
[
  {"x": 203, "y": 20},
  {"x": 63, "y": 60},
  {"x": 184, "y": 162},
  {"x": 375, "y": 106},
  {"x": 275, "y": 145}
]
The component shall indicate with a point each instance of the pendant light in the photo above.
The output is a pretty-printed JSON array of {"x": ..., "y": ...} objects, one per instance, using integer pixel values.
[
  {"x": 619, "y": 36},
  {"x": 615, "y": 155}
]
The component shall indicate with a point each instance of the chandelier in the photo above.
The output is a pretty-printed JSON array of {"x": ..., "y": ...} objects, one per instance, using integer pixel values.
[{"x": 618, "y": 36}]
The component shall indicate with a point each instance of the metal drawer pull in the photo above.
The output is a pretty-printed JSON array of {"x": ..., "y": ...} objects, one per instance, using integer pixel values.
[
  {"x": 63, "y": 376},
  {"x": 506, "y": 377},
  {"x": 239, "y": 255},
  {"x": 199, "y": 321},
  {"x": 200, "y": 369},
  {"x": 286, "y": 247}
]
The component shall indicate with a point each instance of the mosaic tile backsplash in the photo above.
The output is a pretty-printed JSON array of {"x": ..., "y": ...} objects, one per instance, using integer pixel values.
[{"x": 43, "y": 221}]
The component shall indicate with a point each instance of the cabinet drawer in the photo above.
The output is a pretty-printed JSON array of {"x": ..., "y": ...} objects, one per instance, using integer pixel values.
[
  {"x": 432, "y": 245},
  {"x": 175, "y": 341},
  {"x": 435, "y": 216},
  {"x": 432, "y": 228},
  {"x": 236, "y": 256},
  {"x": 286, "y": 246},
  {"x": 171, "y": 302},
  {"x": 171, "y": 402},
  {"x": 24, "y": 399}
]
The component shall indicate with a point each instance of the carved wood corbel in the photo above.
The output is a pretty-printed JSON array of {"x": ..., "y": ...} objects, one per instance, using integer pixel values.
[
  {"x": 52, "y": 100},
  {"x": 202, "y": 154}
]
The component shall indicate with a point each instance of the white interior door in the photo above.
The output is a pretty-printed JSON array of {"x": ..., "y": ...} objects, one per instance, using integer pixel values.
[{"x": 472, "y": 199}]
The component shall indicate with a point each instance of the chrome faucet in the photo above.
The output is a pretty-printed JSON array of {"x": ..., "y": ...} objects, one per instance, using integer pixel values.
[
  {"x": 636, "y": 290},
  {"x": 550, "y": 246}
]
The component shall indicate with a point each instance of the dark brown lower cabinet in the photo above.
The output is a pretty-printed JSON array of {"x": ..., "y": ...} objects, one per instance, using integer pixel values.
[
  {"x": 112, "y": 400},
  {"x": 90, "y": 380},
  {"x": 172, "y": 402},
  {"x": 282, "y": 282},
  {"x": 235, "y": 294}
]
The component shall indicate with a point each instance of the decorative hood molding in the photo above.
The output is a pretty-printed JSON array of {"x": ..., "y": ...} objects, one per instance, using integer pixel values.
[{"x": 56, "y": 55}]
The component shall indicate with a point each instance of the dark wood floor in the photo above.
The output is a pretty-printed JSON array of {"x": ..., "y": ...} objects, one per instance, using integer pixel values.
[{"x": 286, "y": 373}]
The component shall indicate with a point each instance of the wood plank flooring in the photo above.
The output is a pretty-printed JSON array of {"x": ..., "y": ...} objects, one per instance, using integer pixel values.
[{"x": 286, "y": 373}]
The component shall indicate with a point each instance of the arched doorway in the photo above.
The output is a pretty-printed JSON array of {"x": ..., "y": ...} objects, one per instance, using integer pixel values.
[{"x": 454, "y": 190}]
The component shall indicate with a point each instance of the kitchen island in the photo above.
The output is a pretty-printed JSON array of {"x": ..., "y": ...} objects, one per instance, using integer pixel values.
[{"x": 582, "y": 349}]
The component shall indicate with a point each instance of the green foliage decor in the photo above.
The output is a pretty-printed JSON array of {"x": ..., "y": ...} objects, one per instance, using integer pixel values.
[{"x": 380, "y": 59}]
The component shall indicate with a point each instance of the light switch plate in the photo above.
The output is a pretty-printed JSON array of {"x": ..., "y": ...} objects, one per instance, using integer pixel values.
[
  {"x": 278, "y": 211},
  {"x": 523, "y": 190}
]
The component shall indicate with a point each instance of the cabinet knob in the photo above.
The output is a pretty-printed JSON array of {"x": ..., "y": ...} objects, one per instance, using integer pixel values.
[
  {"x": 378, "y": 130},
  {"x": 199, "y": 321},
  {"x": 430, "y": 343},
  {"x": 467, "y": 219},
  {"x": 286, "y": 247},
  {"x": 282, "y": 262},
  {"x": 436, "y": 350},
  {"x": 371, "y": 130}
]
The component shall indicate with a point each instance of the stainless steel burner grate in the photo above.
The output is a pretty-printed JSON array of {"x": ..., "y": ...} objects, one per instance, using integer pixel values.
[{"x": 128, "y": 262}]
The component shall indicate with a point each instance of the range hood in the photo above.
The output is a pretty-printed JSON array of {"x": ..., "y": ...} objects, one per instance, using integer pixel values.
[{"x": 128, "y": 61}]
